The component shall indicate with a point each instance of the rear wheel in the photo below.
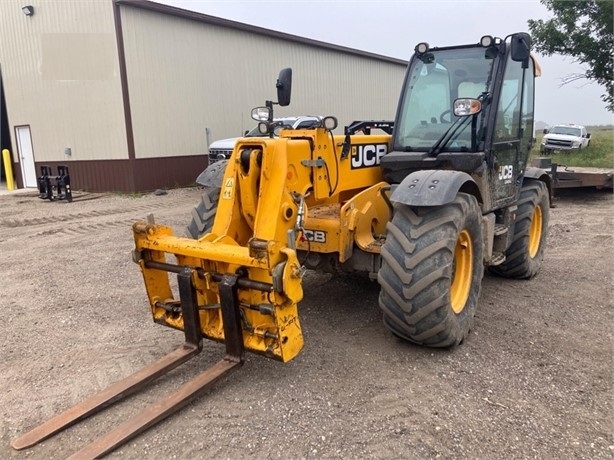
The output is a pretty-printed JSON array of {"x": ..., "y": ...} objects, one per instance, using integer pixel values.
[
  {"x": 432, "y": 271},
  {"x": 203, "y": 213},
  {"x": 524, "y": 257}
]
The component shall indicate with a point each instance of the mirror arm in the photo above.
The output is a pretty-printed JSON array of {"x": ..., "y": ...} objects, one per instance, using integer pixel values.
[{"x": 269, "y": 105}]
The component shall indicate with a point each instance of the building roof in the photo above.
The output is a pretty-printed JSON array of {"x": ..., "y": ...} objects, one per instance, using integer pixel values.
[{"x": 205, "y": 18}]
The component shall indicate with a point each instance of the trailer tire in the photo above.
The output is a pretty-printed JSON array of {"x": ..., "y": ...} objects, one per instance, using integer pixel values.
[
  {"x": 524, "y": 257},
  {"x": 432, "y": 271},
  {"x": 203, "y": 213}
]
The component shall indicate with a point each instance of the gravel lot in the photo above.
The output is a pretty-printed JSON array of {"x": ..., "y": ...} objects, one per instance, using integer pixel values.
[{"x": 534, "y": 379}]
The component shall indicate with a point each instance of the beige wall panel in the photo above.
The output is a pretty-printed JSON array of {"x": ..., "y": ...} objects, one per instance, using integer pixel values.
[
  {"x": 61, "y": 76},
  {"x": 185, "y": 77}
]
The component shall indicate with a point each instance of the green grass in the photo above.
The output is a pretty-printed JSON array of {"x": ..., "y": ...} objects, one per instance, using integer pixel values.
[{"x": 599, "y": 154}]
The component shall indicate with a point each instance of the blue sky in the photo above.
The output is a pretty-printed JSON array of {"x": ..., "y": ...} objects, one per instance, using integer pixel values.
[{"x": 393, "y": 27}]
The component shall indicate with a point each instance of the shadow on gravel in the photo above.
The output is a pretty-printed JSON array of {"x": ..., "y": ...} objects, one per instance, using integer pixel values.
[{"x": 581, "y": 194}]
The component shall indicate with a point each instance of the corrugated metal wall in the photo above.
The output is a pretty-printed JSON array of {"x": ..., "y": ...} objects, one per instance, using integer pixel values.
[
  {"x": 60, "y": 74},
  {"x": 186, "y": 76}
]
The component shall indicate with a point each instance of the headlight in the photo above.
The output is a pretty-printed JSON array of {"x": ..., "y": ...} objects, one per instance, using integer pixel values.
[
  {"x": 330, "y": 123},
  {"x": 263, "y": 127},
  {"x": 421, "y": 48},
  {"x": 466, "y": 106},
  {"x": 260, "y": 113},
  {"x": 544, "y": 141},
  {"x": 486, "y": 41}
]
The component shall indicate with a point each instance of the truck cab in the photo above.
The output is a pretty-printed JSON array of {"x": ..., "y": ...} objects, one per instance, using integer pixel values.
[
  {"x": 565, "y": 137},
  {"x": 222, "y": 149}
]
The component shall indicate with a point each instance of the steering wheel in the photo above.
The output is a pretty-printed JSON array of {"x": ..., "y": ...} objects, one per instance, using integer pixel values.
[{"x": 443, "y": 116}]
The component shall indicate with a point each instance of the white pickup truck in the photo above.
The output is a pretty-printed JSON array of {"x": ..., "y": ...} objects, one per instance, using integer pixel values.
[
  {"x": 564, "y": 137},
  {"x": 221, "y": 150}
]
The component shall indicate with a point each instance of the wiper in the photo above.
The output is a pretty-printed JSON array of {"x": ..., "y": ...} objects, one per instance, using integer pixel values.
[{"x": 447, "y": 136}]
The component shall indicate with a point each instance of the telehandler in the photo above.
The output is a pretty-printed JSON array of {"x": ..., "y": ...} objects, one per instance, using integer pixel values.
[{"x": 423, "y": 207}]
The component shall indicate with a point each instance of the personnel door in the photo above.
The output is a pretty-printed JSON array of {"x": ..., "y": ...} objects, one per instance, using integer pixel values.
[{"x": 26, "y": 156}]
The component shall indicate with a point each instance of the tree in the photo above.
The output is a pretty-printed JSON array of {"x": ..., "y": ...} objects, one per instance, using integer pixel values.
[{"x": 582, "y": 29}]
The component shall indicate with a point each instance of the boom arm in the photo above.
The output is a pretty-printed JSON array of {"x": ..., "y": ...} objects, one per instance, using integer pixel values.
[{"x": 267, "y": 184}]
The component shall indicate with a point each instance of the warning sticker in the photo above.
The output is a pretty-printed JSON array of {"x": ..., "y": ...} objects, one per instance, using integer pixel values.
[{"x": 228, "y": 188}]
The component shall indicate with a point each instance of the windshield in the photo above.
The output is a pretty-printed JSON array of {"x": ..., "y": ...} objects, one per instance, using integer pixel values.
[
  {"x": 566, "y": 130},
  {"x": 431, "y": 88}
]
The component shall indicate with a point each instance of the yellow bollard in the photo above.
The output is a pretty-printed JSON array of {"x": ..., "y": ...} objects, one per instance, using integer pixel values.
[{"x": 8, "y": 168}]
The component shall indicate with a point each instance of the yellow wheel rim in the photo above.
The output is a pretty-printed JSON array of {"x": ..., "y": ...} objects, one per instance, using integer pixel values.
[
  {"x": 535, "y": 232},
  {"x": 462, "y": 272}
]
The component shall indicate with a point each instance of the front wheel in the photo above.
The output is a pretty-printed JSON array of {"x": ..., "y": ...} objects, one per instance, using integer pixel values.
[
  {"x": 432, "y": 271},
  {"x": 203, "y": 213},
  {"x": 524, "y": 257}
]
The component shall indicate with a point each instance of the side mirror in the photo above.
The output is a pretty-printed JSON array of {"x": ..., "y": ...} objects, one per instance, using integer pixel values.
[
  {"x": 545, "y": 131},
  {"x": 284, "y": 87},
  {"x": 588, "y": 135},
  {"x": 521, "y": 46}
]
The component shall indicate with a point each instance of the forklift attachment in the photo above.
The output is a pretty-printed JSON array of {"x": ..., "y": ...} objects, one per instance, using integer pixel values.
[
  {"x": 137, "y": 381},
  {"x": 60, "y": 184}
]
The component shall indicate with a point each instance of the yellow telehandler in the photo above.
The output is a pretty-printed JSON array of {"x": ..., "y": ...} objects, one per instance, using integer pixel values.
[{"x": 422, "y": 204}]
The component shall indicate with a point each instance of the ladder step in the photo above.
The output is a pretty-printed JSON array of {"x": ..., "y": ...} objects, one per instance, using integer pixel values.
[
  {"x": 500, "y": 229},
  {"x": 497, "y": 259}
]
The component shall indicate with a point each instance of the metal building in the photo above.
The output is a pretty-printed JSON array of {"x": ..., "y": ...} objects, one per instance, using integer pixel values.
[{"x": 128, "y": 93}]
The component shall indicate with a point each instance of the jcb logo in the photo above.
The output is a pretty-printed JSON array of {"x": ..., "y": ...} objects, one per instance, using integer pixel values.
[
  {"x": 366, "y": 156},
  {"x": 506, "y": 173},
  {"x": 315, "y": 236}
]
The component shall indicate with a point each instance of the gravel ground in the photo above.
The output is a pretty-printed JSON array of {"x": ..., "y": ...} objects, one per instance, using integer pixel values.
[{"x": 534, "y": 379}]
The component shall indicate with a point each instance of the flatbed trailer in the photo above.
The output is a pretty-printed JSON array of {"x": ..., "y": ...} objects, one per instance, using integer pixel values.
[{"x": 564, "y": 176}]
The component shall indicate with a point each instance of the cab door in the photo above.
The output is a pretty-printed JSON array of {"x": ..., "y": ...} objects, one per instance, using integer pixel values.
[{"x": 513, "y": 133}]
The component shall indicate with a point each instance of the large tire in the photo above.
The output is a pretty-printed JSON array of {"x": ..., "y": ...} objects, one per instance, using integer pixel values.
[
  {"x": 212, "y": 176},
  {"x": 203, "y": 213},
  {"x": 524, "y": 257},
  {"x": 432, "y": 269}
]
